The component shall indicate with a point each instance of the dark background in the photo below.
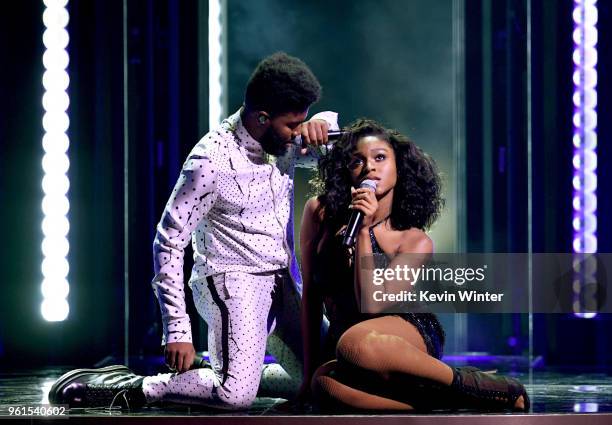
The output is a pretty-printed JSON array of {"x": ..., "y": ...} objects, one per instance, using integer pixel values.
[{"x": 380, "y": 59}]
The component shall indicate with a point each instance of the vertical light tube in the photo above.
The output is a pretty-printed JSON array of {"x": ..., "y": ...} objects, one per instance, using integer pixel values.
[
  {"x": 216, "y": 59},
  {"x": 55, "y": 163},
  {"x": 584, "y": 160}
]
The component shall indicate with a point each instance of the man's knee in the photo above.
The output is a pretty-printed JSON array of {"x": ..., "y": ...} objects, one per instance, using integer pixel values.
[{"x": 235, "y": 399}]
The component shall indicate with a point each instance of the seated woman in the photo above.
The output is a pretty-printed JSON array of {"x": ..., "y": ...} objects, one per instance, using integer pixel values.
[{"x": 379, "y": 361}]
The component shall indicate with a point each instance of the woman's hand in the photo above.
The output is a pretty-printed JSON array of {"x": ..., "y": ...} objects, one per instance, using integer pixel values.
[
  {"x": 179, "y": 356},
  {"x": 364, "y": 200}
]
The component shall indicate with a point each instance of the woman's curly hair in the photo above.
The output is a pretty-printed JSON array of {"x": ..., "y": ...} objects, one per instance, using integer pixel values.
[{"x": 417, "y": 200}]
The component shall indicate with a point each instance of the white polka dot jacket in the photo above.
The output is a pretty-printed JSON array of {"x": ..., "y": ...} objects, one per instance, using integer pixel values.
[{"x": 234, "y": 204}]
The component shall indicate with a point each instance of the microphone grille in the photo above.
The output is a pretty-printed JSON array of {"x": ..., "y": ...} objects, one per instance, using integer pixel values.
[{"x": 368, "y": 184}]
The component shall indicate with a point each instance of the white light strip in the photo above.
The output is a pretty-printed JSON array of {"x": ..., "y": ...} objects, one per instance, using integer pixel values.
[
  {"x": 584, "y": 161},
  {"x": 55, "y": 163},
  {"x": 215, "y": 62}
]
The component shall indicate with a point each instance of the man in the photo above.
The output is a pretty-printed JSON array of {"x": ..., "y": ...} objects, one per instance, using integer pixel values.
[{"x": 233, "y": 201}]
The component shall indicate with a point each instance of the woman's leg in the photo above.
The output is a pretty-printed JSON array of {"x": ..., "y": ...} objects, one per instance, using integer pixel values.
[
  {"x": 384, "y": 357},
  {"x": 389, "y": 345},
  {"x": 333, "y": 393},
  {"x": 373, "y": 356}
]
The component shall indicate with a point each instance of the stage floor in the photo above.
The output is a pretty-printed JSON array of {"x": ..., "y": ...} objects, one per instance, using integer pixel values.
[{"x": 575, "y": 397}]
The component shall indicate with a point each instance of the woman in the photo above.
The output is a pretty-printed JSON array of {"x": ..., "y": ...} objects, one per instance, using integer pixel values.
[{"x": 379, "y": 361}]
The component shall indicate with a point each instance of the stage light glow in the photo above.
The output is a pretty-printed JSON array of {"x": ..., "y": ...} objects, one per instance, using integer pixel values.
[
  {"x": 57, "y": 79},
  {"x": 55, "y": 59},
  {"x": 55, "y": 163},
  {"x": 56, "y": 100},
  {"x": 584, "y": 161},
  {"x": 54, "y": 310},
  {"x": 54, "y": 267},
  {"x": 216, "y": 94},
  {"x": 58, "y": 288},
  {"x": 588, "y": 140},
  {"x": 56, "y": 38},
  {"x": 588, "y": 224},
  {"x": 55, "y": 246},
  {"x": 55, "y": 142},
  {"x": 56, "y": 122},
  {"x": 55, "y": 184},
  {"x": 56, "y": 3},
  {"x": 55, "y": 206},
  {"x": 55, "y": 225},
  {"x": 55, "y": 17}
]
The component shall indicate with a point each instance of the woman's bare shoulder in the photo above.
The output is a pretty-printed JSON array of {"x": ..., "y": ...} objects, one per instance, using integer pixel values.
[
  {"x": 415, "y": 240},
  {"x": 312, "y": 204},
  {"x": 313, "y": 209}
]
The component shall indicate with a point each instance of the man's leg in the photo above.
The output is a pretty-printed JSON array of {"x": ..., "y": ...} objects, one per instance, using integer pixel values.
[
  {"x": 235, "y": 307},
  {"x": 283, "y": 379}
]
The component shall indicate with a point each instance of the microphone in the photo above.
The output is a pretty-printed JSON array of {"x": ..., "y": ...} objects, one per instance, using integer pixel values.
[
  {"x": 356, "y": 218},
  {"x": 332, "y": 136}
]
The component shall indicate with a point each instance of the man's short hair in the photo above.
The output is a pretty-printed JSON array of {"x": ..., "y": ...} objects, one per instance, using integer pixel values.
[{"x": 282, "y": 83}]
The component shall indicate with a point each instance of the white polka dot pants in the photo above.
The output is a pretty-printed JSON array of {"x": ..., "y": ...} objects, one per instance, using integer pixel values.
[{"x": 241, "y": 311}]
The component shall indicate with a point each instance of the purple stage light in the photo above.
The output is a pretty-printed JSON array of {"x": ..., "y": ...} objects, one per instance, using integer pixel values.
[{"x": 584, "y": 160}]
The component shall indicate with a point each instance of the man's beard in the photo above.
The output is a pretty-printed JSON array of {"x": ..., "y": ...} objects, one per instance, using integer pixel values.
[{"x": 272, "y": 144}]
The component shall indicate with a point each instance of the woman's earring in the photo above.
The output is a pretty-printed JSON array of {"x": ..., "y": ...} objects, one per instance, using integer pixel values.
[{"x": 262, "y": 119}]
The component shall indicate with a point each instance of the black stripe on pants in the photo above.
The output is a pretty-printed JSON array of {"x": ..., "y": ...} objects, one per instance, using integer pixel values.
[{"x": 224, "y": 326}]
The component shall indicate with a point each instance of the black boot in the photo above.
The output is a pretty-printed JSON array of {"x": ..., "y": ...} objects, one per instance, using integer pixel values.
[
  {"x": 109, "y": 386},
  {"x": 475, "y": 389}
]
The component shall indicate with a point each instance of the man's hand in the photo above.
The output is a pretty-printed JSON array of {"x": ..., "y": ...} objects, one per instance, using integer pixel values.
[
  {"x": 313, "y": 132},
  {"x": 179, "y": 356}
]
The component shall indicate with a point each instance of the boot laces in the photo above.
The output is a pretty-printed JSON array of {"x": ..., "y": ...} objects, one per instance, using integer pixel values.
[
  {"x": 123, "y": 394},
  {"x": 119, "y": 396}
]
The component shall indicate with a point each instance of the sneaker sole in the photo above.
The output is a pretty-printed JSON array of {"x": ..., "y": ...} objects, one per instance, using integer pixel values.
[{"x": 68, "y": 376}]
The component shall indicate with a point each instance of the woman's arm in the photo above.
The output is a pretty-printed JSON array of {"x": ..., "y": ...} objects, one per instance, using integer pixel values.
[
  {"x": 414, "y": 250},
  {"x": 312, "y": 302},
  {"x": 363, "y": 281}
]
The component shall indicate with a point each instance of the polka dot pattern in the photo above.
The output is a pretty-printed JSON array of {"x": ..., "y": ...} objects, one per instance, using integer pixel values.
[
  {"x": 235, "y": 205},
  {"x": 245, "y": 314}
]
